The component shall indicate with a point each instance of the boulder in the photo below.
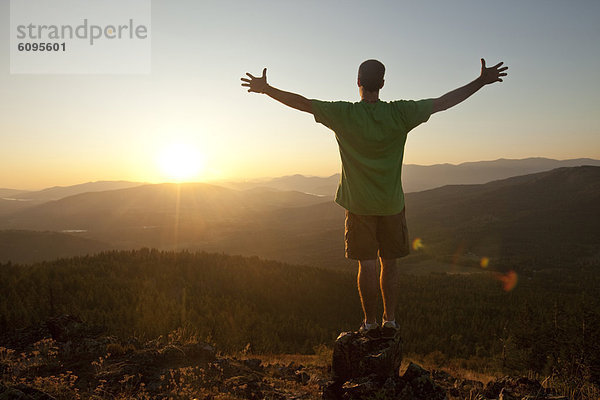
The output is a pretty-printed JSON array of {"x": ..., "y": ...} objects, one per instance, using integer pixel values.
[
  {"x": 355, "y": 356},
  {"x": 254, "y": 364},
  {"x": 67, "y": 327},
  {"x": 364, "y": 368},
  {"x": 22, "y": 392},
  {"x": 517, "y": 388},
  {"x": 421, "y": 384}
]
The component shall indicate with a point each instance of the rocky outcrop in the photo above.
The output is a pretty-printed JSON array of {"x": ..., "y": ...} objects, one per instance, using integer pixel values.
[
  {"x": 66, "y": 358},
  {"x": 503, "y": 388},
  {"x": 364, "y": 368},
  {"x": 415, "y": 384},
  {"x": 73, "y": 359},
  {"x": 368, "y": 368},
  {"x": 517, "y": 388},
  {"x": 356, "y": 356},
  {"x": 22, "y": 392}
]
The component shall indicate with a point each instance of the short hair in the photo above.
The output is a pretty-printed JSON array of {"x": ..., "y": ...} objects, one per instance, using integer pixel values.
[{"x": 370, "y": 74}]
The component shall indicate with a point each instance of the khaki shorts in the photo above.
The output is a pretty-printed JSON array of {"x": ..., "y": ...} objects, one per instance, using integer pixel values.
[{"x": 370, "y": 236}]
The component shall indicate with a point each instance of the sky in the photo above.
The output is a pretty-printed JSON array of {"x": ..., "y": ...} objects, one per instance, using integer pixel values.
[{"x": 69, "y": 129}]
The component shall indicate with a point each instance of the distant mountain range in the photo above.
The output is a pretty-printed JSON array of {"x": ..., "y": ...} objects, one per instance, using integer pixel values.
[
  {"x": 150, "y": 206},
  {"x": 12, "y": 200},
  {"x": 322, "y": 186},
  {"x": 59, "y": 192},
  {"x": 541, "y": 219},
  {"x": 416, "y": 178},
  {"x": 537, "y": 220},
  {"x": 9, "y": 192}
]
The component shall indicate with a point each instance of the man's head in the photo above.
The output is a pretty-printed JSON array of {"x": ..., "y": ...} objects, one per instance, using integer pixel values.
[{"x": 370, "y": 75}]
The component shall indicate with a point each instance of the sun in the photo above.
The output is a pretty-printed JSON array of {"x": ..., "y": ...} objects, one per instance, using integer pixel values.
[{"x": 180, "y": 162}]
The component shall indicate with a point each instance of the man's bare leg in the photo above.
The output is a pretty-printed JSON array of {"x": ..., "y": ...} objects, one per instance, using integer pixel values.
[
  {"x": 389, "y": 288},
  {"x": 368, "y": 288}
]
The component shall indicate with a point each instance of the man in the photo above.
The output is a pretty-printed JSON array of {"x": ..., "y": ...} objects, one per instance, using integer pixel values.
[{"x": 371, "y": 135}]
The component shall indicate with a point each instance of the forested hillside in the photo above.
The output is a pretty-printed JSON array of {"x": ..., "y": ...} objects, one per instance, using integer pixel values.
[
  {"x": 547, "y": 322},
  {"x": 33, "y": 246},
  {"x": 536, "y": 221}
]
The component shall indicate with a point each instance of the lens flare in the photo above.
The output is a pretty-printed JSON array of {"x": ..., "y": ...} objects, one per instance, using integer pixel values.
[
  {"x": 417, "y": 244},
  {"x": 484, "y": 262},
  {"x": 458, "y": 253},
  {"x": 508, "y": 280}
]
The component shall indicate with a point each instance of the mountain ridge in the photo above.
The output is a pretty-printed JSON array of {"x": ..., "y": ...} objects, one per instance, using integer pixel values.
[
  {"x": 158, "y": 200},
  {"x": 58, "y": 192},
  {"x": 417, "y": 178},
  {"x": 548, "y": 215},
  {"x": 325, "y": 185}
]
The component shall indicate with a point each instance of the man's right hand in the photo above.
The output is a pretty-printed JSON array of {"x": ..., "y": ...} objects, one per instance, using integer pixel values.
[
  {"x": 257, "y": 85},
  {"x": 491, "y": 74}
]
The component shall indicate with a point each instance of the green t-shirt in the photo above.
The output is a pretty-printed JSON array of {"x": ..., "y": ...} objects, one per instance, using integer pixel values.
[{"x": 371, "y": 139}]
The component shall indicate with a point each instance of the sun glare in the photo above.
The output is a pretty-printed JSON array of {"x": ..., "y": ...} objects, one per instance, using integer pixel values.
[{"x": 179, "y": 162}]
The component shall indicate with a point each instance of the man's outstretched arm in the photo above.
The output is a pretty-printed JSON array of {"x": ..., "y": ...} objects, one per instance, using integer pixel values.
[
  {"x": 260, "y": 85},
  {"x": 488, "y": 76}
]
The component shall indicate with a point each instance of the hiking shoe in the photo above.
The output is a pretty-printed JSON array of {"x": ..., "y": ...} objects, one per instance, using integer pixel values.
[
  {"x": 370, "y": 331},
  {"x": 389, "y": 329}
]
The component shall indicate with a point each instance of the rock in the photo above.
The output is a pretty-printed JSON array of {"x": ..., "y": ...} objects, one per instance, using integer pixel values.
[
  {"x": 415, "y": 372},
  {"x": 421, "y": 383},
  {"x": 9, "y": 393},
  {"x": 70, "y": 328},
  {"x": 280, "y": 371},
  {"x": 22, "y": 392},
  {"x": 355, "y": 355},
  {"x": 443, "y": 376},
  {"x": 199, "y": 351},
  {"x": 172, "y": 354},
  {"x": 513, "y": 388},
  {"x": 332, "y": 390},
  {"x": 363, "y": 388},
  {"x": 95, "y": 346},
  {"x": 364, "y": 368},
  {"x": 22, "y": 339},
  {"x": 245, "y": 386},
  {"x": 254, "y": 364},
  {"x": 456, "y": 387},
  {"x": 302, "y": 377},
  {"x": 415, "y": 384}
]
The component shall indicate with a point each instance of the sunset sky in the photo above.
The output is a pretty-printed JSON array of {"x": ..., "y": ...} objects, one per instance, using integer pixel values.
[{"x": 68, "y": 129}]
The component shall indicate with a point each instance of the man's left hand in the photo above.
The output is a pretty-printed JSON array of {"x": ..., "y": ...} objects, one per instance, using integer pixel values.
[{"x": 256, "y": 84}]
